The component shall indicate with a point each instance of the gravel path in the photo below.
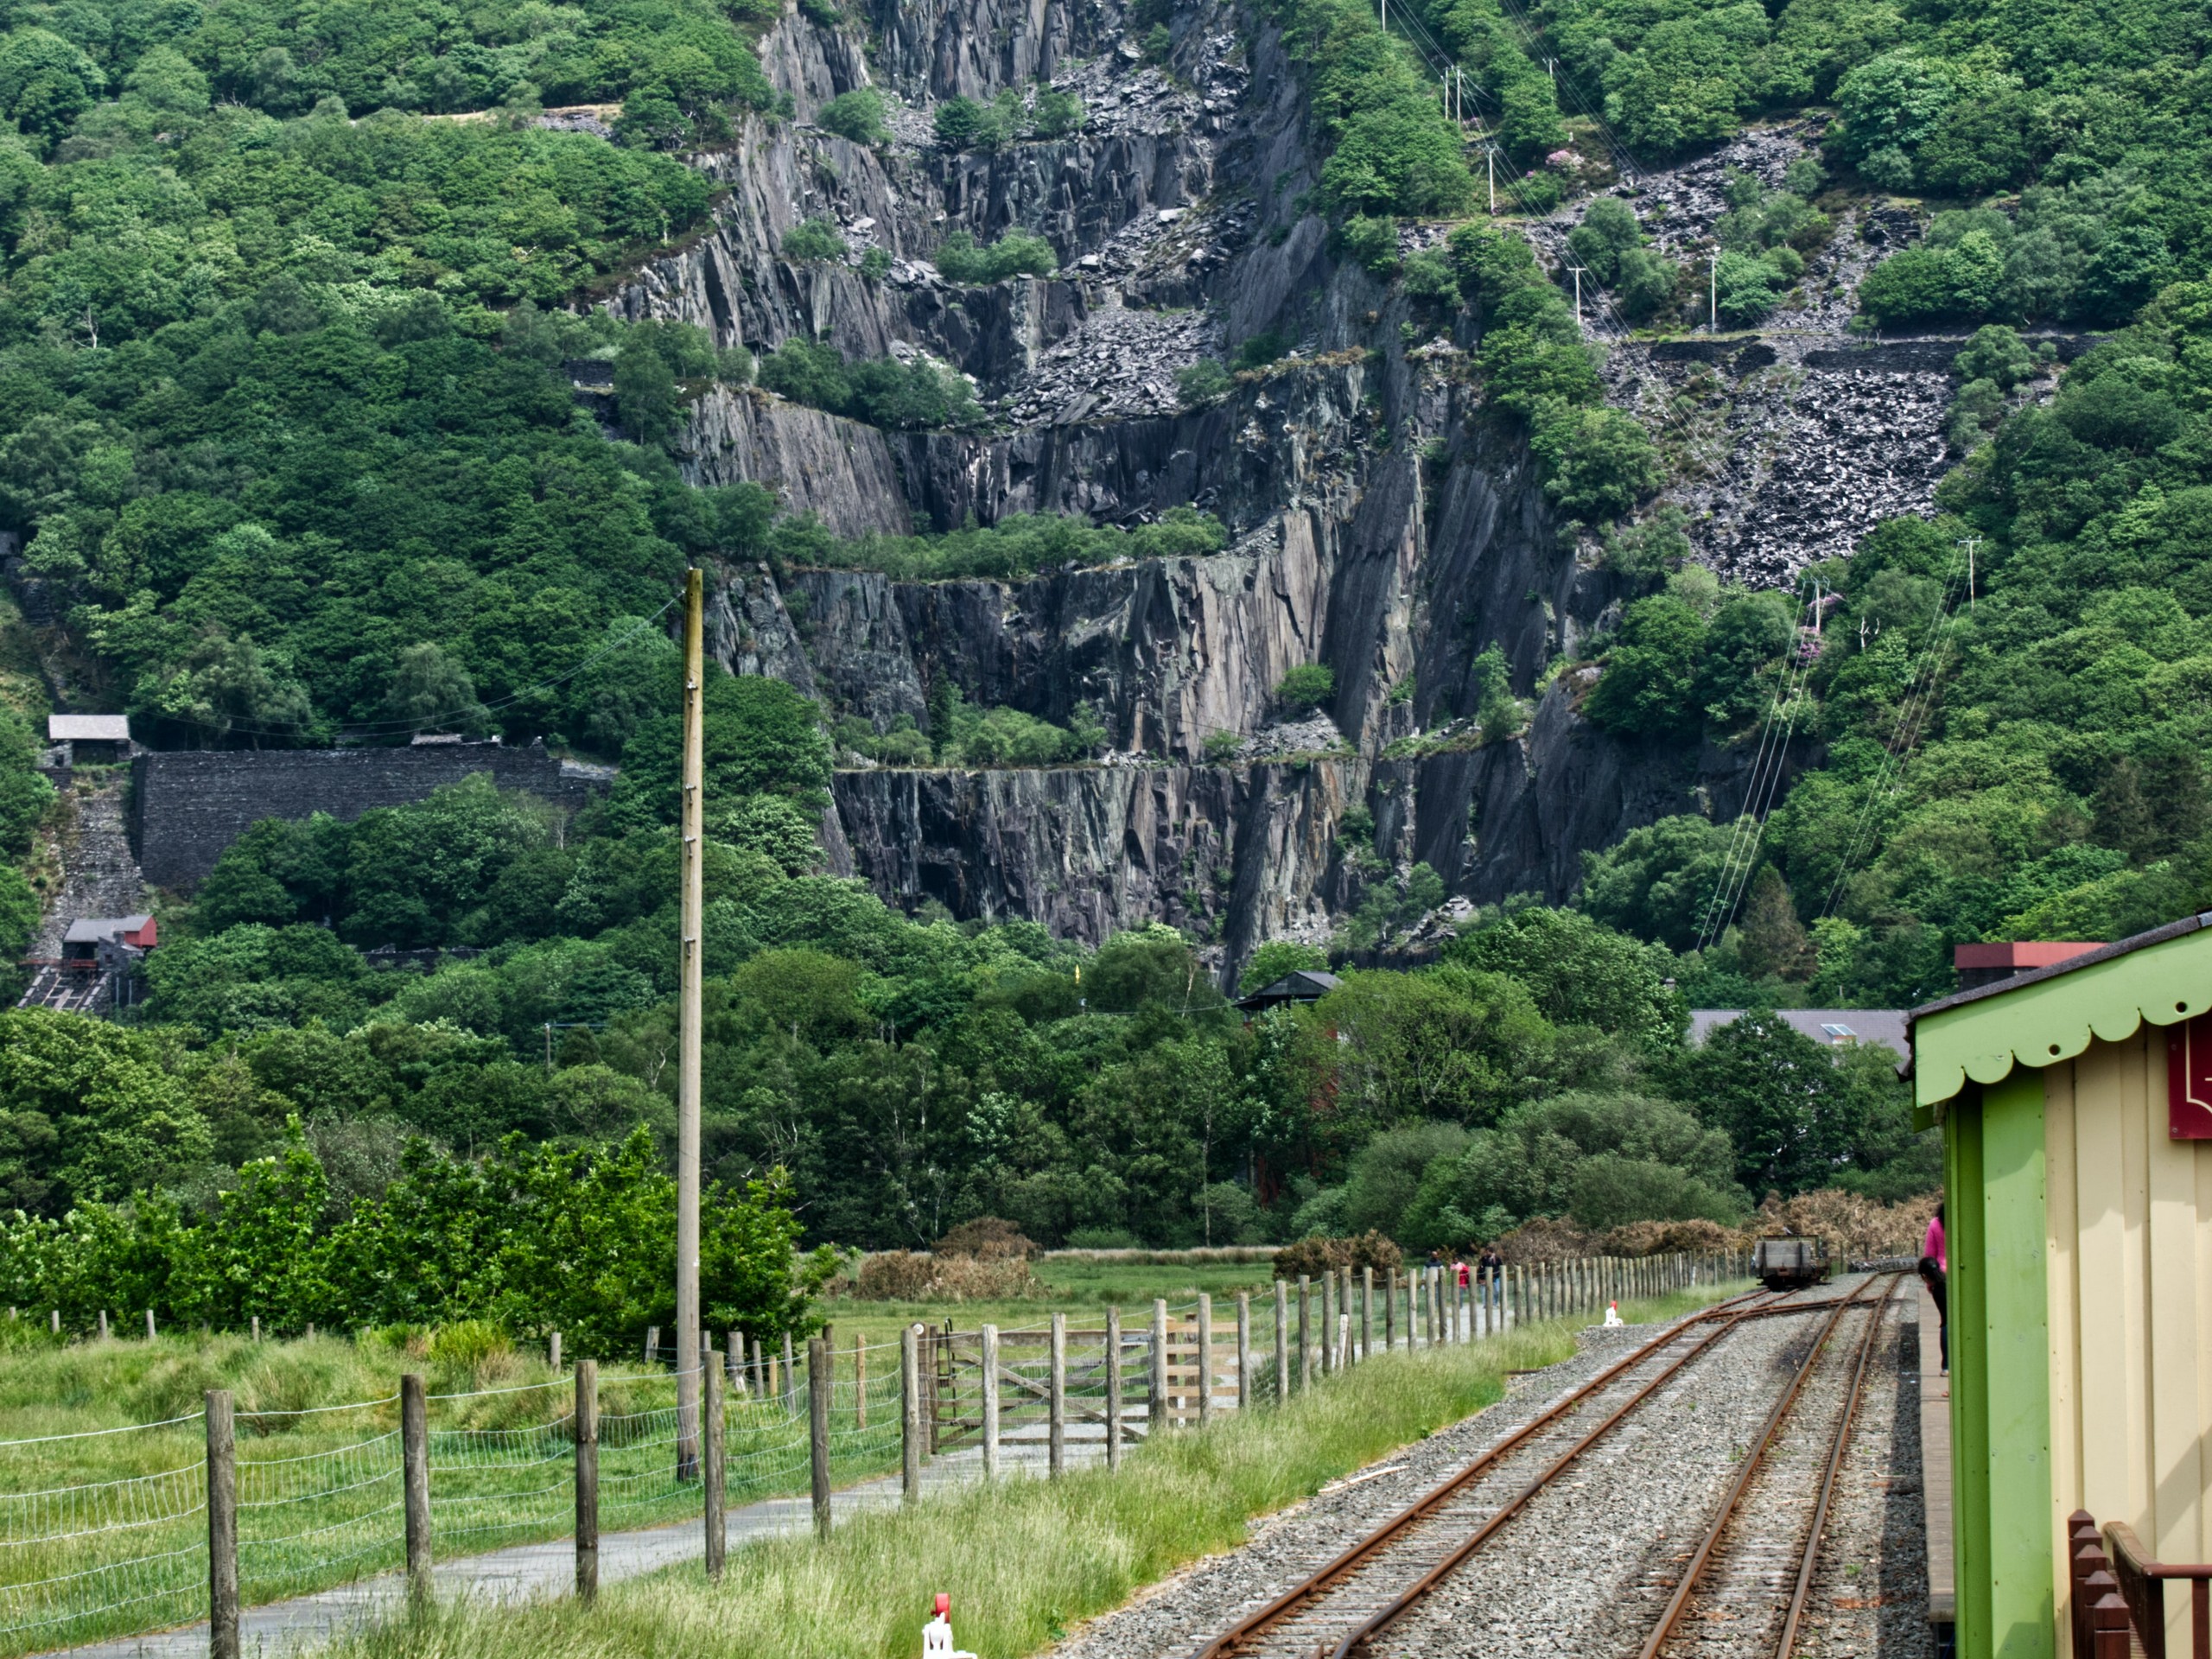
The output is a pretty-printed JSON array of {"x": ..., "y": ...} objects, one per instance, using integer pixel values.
[{"x": 1572, "y": 1573}]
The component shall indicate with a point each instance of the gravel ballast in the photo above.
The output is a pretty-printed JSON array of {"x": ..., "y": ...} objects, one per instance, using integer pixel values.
[{"x": 1586, "y": 1567}]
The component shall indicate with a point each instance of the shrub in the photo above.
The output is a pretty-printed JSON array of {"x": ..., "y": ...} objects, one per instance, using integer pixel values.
[
  {"x": 1017, "y": 253},
  {"x": 1057, "y": 115},
  {"x": 1316, "y": 1255},
  {"x": 902, "y": 397},
  {"x": 1223, "y": 746},
  {"x": 1598, "y": 462},
  {"x": 1203, "y": 381},
  {"x": 1257, "y": 351},
  {"x": 1370, "y": 241},
  {"x": 1429, "y": 276},
  {"x": 1307, "y": 687},
  {"x": 965, "y": 123},
  {"x": 986, "y": 1238},
  {"x": 857, "y": 115},
  {"x": 1996, "y": 354},
  {"x": 818, "y": 238}
]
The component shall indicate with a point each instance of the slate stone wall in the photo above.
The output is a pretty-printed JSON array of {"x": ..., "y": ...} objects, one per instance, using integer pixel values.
[{"x": 188, "y": 805}]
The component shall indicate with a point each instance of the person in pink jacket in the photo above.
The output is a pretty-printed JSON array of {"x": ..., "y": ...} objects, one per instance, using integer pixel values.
[{"x": 1934, "y": 1270}]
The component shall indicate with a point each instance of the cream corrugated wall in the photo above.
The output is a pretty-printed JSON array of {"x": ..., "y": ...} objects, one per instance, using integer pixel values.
[{"x": 2130, "y": 1278}]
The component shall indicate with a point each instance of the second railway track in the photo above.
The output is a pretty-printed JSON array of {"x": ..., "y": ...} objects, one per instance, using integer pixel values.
[{"x": 1369, "y": 1598}]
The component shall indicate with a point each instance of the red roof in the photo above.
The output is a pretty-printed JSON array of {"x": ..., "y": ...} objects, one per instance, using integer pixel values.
[{"x": 2020, "y": 955}]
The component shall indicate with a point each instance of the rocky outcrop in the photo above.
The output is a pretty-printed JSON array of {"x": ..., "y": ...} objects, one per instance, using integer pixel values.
[
  {"x": 1380, "y": 522},
  {"x": 1235, "y": 856}
]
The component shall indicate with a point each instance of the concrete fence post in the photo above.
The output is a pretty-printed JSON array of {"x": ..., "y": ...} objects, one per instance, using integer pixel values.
[
  {"x": 587, "y": 1479},
  {"x": 222, "y": 1528},
  {"x": 415, "y": 1481},
  {"x": 553, "y": 1352},
  {"x": 150, "y": 1325}
]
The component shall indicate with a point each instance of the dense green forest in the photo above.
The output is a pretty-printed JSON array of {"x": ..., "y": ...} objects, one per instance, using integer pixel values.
[{"x": 282, "y": 413}]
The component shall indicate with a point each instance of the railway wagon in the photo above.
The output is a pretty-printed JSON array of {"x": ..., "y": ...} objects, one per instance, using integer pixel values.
[{"x": 1790, "y": 1263}]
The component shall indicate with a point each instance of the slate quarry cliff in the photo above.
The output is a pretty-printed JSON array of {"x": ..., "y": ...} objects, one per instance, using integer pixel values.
[{"x": 1379, "y": 522}]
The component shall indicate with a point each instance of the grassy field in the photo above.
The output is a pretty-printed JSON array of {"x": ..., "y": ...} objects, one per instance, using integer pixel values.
[
  {"x": 102, "y": 1530},
  {"x": 1023, "y": 1563}
]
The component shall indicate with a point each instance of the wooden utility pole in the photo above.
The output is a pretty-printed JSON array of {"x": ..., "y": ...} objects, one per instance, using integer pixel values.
[{"x": 687, "y": 1075}]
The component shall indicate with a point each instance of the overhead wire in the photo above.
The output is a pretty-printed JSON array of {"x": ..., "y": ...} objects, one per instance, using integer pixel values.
[{"x": 1912, "y": 710}]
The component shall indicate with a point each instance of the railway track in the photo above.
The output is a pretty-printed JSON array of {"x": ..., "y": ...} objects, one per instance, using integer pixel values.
[{"x": 1340, "y": 1608}]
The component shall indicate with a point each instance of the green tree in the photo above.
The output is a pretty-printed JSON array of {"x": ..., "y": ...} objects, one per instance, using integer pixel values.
[{"x": 1650, "y": 675}]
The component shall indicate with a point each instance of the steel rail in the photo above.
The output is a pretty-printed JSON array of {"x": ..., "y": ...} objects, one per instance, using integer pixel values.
[
  {"x": 1686, "y": 1587},
  {"x": 1803, "y": 1592},
  {"x": 1322, "y": 1578},
  {"x": 1377, "y": 1623}
]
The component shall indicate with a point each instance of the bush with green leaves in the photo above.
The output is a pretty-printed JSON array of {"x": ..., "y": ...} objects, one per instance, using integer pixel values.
[
  {"x": 857, "y": 115},
  {"x": 1206, "y": 381},
  {"x": 1016, "y": 253},
  {"x": 1371, "y": 242},
  {"x": 1018, "y": 545},
  {"x": 902, "y": 397},
  {"x": 1307, "y": 687},
  {"x": 815, "y": 241}
]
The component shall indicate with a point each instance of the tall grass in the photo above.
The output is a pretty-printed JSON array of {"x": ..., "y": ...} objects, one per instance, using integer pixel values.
[{"x": 1022, "y": 1562}]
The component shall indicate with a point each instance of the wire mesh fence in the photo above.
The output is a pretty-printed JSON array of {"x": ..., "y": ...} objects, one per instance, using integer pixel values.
[{"x": 105, "y": 1533}]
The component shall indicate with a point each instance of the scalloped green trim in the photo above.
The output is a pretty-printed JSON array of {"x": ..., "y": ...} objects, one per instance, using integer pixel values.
[{"x": 2055, "y": 1018}]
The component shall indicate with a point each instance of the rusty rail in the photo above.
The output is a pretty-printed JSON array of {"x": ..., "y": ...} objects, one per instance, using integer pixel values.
[
  {"x": 1686, "y": 1587},
  {"x": 1728, "y": 1313}
]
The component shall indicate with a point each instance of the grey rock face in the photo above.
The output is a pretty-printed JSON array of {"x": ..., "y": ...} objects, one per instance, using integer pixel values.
[{"x": 1380, "y": 521}]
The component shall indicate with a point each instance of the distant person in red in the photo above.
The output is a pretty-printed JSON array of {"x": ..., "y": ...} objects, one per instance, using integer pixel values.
[{"x": 1934, "y": 1270}]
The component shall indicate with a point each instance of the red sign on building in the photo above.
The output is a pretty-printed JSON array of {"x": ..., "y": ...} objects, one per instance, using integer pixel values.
[{"x": 2188, "y": 1079}]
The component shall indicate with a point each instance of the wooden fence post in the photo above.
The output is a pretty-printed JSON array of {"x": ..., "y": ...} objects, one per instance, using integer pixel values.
[
  {"x": 1282, "y": 1341},
  {"x": 1328, "y": 1319},
  {"x": 1389, "y": 1309},
  {"x": 1305, "y": 1331},
  {"x": 1366, "y": 1313},
  {"x": 910, "y": 1414},
  {"x": 222, "y": 1528},
  {"x": 714, "y": 1468},
  {"x": 1156, "y": 1381},
  {"x": 150, "y": 1325},
  {"x": 257, "y": 1327},
  {"x": 1205, "y": 1359},
  {"x": 1056, "y": 1426},
  {"x": 1113, "y": 1387},
  {"x": 1244, "y": 1350},
  {"x": 820, "y": 1375},
  {"x": 652, "y": 1344},
  {"x": 990, "y": 1402},
  {"x": 553, "y": 1352},
  {"x": 415, "y": 1481},
  {"x": 791, "y": 1378},
  {"x": 860, "y": 1383},
  {"x": 587, "y": 1479},
  {"x": 102, "y": 1326}
]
